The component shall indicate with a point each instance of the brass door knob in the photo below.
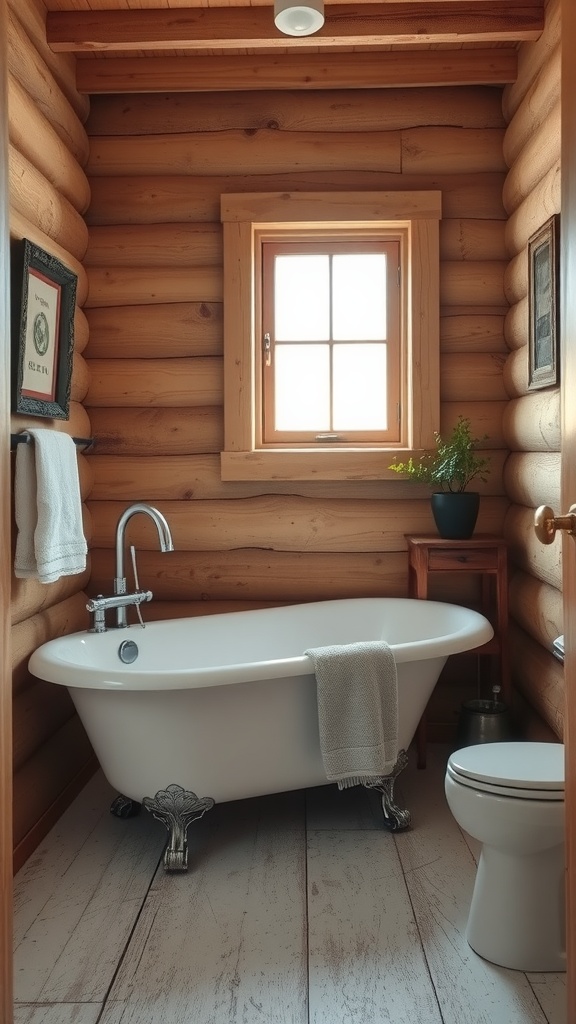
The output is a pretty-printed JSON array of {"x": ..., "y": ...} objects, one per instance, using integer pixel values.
[{"x": 546, "y": 523}]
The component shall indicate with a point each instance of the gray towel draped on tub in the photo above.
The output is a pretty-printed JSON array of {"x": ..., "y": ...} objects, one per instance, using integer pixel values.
[{"x": 357, "y": 691}]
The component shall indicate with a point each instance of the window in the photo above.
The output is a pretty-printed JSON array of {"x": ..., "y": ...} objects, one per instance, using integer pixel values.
[
  {"x": 330, "y": 333},
  {"x": 331, "y": 341}
]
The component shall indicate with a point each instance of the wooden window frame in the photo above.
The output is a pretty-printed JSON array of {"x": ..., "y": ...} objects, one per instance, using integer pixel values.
[{"x": 245, "y": 219}]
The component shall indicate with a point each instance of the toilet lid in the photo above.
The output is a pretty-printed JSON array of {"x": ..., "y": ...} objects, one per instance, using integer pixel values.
[{"x": 523, "y": 766}]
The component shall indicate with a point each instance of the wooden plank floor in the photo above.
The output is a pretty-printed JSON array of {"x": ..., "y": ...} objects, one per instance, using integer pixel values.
[{"x": 297, "y": 909}]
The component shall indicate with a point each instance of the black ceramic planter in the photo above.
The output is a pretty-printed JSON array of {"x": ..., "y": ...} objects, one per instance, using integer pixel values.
[{"x": 455, "y": 513}]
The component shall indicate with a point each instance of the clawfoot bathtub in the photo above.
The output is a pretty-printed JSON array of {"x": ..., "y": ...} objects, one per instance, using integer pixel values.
[{"x": 225, "y": 705}]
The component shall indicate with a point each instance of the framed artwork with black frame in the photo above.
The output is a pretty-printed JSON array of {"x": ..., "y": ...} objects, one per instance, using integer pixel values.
[
  {"x": 43, "y": 304},
  {"x": 543, "y": 305}
]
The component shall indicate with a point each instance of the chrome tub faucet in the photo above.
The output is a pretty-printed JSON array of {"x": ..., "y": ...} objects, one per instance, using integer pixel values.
[
  {"x": 165, "y": 540},
  {"x": 121, "y": 600}
]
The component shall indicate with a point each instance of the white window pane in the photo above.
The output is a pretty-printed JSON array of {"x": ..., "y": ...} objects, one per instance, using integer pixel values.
[
  {"x": 302, "y": 382},
  {"x": 360, "y": 387},
  {"x": 302, "y": 298},
  {"x": 359, "y": 296}
]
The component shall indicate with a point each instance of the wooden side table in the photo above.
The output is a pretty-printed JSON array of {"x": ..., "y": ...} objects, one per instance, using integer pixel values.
[{"x": 482, "y": 554}]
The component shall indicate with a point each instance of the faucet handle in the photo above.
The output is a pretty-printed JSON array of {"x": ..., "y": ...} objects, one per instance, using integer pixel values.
[
  {"x": 136, "y": 583},
  {"x": 134, "y": 567}
]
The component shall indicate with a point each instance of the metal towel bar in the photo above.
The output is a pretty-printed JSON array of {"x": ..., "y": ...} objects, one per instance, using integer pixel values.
[{"x": 16, "y": 439}]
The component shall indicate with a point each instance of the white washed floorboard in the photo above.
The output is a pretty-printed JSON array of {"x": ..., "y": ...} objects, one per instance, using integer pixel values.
[
  {"x": 365, "y": 958},
  {"x": 440, "y": 872},
  {"x": 551, "y": 993},
  {"x": 70, "y": 952},
  {"x": 224, "y": 944},
  {"x": 34, "y": 883},
  {"x": 57, "y": 1013}
]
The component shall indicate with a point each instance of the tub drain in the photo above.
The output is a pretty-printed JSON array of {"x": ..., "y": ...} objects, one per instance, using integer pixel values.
[{"x": 128, "y": 651}]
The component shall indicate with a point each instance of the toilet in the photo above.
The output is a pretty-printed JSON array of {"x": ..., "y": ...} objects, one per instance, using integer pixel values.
[{"x": 510, "y": 797}]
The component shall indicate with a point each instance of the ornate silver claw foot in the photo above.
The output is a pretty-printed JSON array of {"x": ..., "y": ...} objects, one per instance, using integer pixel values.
[
  {"x": 395, "y": 819},
  {"x": 124, "y": 807},
  {"x": 177, "y": 808}
]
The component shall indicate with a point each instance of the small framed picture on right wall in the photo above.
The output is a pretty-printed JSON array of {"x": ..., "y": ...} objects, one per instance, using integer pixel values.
[{"x": 543, "y": 305}]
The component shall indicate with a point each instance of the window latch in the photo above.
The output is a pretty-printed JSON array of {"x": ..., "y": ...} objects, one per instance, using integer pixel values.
[{"x": 267, "y": 350}]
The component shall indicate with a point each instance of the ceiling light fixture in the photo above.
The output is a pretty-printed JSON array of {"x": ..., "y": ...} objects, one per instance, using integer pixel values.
[{"x": 298, "y": 19}]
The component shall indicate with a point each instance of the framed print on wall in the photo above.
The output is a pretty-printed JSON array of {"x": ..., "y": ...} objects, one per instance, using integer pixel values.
[
  {"x": 43, "y": 303},
  {"x": 543, "y": 305}
]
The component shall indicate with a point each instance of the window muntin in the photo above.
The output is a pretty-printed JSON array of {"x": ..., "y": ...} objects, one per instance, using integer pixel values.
[{"x": 332, "y": 330}]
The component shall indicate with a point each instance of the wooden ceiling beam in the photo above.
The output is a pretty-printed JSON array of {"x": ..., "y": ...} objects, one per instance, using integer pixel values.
[
  {"x": 253, "y": 27},
  {"x": 297, "y": 71}
]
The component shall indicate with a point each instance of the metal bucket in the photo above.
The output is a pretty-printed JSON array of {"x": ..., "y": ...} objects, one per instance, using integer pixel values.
[{"x": 483, "y": 721}]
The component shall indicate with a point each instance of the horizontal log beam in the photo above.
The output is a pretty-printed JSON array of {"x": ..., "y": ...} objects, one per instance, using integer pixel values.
[
  {"x": 472, "y": 377},
  {"x": 35, "y": 198},
  {"x": 256, "y": 575},
  {"x": 146, "y": 332},
  {"x": 485, "y": 421},
  {"x": 326, "y": 110},
  {"x": 156, "y": 245},
  {"x": 267, "y": 151},
  {"x": 284, "y": 523},
  {"x": 178, "y": 383},
  {"x": 141, "y": 245},
  {"x": 278, "y": 577},
  {"x": 179, "y": 198},
  {"x": 147, "y": 285},
  {"x": 464, "y": 333},
  {"x": 158, "y": 431},
  {"x": 532, "y": 423},
  {"x": 198, "y": 477},
  {"x": 394, "y": 69},
  {"x": 346, "y": 25},
  {"x": 533, "y": 478},
  {"x": 473, "y": 283},
  {"x": 468, "y": 238}
]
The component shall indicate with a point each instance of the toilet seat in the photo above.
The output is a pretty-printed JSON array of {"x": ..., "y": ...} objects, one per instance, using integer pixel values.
[{"x": 524, "y": 770}]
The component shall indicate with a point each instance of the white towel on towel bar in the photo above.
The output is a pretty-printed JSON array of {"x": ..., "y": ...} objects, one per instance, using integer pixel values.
[
  {"x": 357, "y": 689},
  {"x": 48, "y": 508}
]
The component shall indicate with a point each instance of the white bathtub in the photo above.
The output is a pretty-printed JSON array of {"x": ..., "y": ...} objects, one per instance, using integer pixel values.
[{"x": 225, "y": 705}]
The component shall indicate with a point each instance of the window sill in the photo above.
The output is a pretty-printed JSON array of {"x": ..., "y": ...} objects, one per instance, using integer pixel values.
[{"x": 312, "y": 464}]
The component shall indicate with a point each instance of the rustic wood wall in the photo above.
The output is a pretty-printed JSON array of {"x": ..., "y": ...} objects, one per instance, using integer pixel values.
[
  {"x": 150, "y": 388},
  {"x": 157, "y": 167},
  {"x": 532, "y": 418},
  {"x": 49, "y": 193}
]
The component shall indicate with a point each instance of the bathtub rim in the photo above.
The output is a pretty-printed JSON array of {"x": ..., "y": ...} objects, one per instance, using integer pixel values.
[{"x": 46, "y": 662}]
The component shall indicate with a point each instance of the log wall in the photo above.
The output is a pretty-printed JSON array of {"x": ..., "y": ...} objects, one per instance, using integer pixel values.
[
  {"x": 531, "y": 422},
  {"x": 158, "y": 165},
  {"x": 49, "y": 193},
  {"x": 148, "y": 385}
]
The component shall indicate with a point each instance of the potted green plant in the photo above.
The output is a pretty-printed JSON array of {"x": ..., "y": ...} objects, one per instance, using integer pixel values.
[{"x": 450, "y": 469}]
